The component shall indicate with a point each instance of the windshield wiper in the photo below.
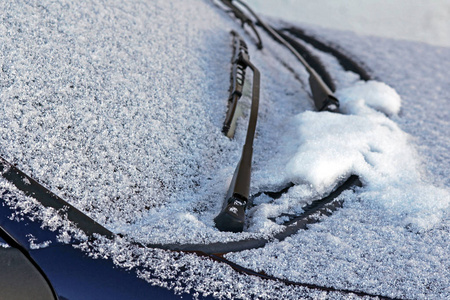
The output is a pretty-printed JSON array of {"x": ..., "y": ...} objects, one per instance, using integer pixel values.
[
  {"x": 322, "y": 94},
  {"x": 232, "y": 216}
]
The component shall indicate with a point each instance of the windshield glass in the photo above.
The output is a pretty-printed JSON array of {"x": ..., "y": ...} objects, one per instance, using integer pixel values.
[{"x": 118, "y": 109}]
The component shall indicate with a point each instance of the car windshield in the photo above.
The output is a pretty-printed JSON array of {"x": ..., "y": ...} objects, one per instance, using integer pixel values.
[{"x": 118, "y": 109}]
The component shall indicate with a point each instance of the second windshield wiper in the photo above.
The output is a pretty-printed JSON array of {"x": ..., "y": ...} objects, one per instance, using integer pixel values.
[{"x": 324, "y": 99}]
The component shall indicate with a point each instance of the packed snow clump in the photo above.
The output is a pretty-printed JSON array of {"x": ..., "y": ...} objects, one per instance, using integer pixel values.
[
  {"x": 365, "y": 142},
  {"x": 373, "y": 94}
]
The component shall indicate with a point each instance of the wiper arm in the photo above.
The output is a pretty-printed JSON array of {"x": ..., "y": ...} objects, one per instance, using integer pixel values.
[
  {"x": 323, "y": 97},
  {"x": 232, "y": 216},
  {"x": 244, "y": 19}
]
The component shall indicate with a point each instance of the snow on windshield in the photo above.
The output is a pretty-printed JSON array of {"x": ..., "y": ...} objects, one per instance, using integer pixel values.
[{"x": 118, "y": 108}]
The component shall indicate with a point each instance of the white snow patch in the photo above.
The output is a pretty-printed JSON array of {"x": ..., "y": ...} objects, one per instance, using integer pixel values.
[
  {"x": 33, "y": 242},
  {"x": 365, "y": 142},
  {"x": 4, "y": 245},
  {"x": 374, "y": 94}
]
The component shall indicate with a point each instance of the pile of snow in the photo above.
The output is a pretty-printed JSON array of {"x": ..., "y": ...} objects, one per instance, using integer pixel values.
[{"x": 365, "y": 142}]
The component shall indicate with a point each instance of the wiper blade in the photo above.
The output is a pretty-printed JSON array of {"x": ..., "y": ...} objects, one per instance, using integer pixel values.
[
  {"x": 232, "y": 216},
  {"x": 323, "y": 96},
  {"x": 244, "y": 20},
  {"x": 237, "y": 78}
]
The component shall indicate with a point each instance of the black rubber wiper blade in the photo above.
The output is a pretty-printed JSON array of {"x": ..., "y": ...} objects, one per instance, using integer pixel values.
[
  {"x": 237, "y": 78},
  {"x": 323, "y": 96},
  {"x": 238, "y": 13},
  {"x": 232, "y": 216}
]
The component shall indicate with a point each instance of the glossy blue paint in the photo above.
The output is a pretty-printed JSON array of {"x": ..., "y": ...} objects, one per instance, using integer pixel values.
[{"x": 72, "y": 274}]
